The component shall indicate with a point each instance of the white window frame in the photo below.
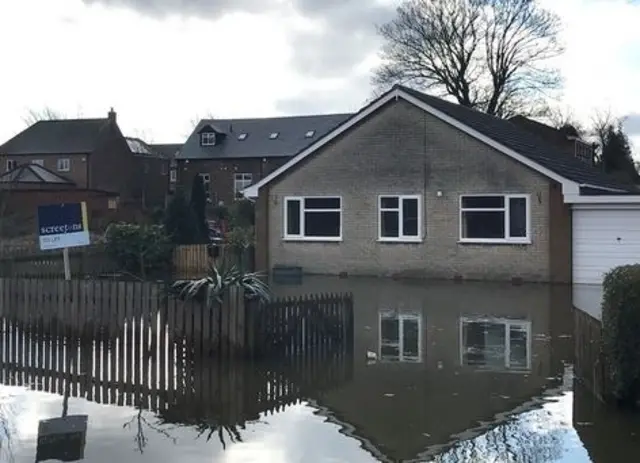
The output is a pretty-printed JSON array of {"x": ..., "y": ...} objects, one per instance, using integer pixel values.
[
  {"x": 11, "y": 164},
  {"x": 401, "y": 317},
  {"x": 240, "y": 180},
  {"x": 301, "y": 237},
  {"x": 206, "y": 182},
  {"x": 400, "y": 238},
  {"x": 63, "y": 165},
  {"x": 507, "y": 203},
  {"x": 508, "y": 323},
  {"x": 173, "y": 175},
  {"x": 208, "y": 139},
  {"x": 38, "y": 162}
]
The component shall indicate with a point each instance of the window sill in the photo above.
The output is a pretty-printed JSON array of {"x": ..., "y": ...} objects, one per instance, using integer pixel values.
[
  {"x": 311, "y": 239},
  {"x": 493, "y": 241},
  {"x": 400, "y": 240}
]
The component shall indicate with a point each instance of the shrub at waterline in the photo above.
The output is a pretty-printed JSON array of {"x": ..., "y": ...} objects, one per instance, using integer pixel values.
[
  {"x": 211, "y": 289},
  {"x": 621, "y": 332},
  {"x": 141, "y": 250}
]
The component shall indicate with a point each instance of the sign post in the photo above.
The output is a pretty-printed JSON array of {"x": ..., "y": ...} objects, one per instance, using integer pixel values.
[{"x": 63, "y": 226}]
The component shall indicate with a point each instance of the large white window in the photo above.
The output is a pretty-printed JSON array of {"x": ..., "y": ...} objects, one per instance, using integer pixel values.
[
  {"x": 399, "y": 218},
  {"x": 206, "y": 182},
  {"x": 208, "y": 138},
  {"x": 64, "y": 165},
  {"x": 316, "y": 218},
  {"x": 241, "y": 181},
  {"x": 400, "y": 338},
  {"x": 494, "y": 219},
  {"x": 494, "y": 343}
]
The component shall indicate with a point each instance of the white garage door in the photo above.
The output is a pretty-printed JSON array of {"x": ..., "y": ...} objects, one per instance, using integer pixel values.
[{"x": 602, "y": 240}]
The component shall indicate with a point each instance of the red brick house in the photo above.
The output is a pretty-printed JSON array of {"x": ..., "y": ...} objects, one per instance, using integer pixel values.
[
  {"x": 94, "y": 155},
  {"x": 232, "y": 154},
  {"x": 28, "y": 186}
]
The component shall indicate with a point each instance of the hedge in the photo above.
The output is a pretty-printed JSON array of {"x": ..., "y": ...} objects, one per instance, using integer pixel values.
[{"x": 621, "y": 332}]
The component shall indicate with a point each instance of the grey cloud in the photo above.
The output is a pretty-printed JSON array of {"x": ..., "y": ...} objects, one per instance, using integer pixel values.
[
  {"x": 189, "y": 8},
  {"x": 348, "y": 37},
  {"x": 632, "y": 124}
]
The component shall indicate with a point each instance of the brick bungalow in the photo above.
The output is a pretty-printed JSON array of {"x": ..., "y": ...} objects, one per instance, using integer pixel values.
[{"x": 414, "y": 185}]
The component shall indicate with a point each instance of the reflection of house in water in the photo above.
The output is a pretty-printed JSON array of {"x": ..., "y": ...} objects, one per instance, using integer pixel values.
[{"x": 447, "y": 353}]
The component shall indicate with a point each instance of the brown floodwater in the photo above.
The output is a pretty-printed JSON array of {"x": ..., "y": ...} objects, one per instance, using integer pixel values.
[{"x": 438, "y": 371}]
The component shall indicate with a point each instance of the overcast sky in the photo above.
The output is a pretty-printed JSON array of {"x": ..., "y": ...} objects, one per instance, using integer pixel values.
[{"x": 162, "y": 63}]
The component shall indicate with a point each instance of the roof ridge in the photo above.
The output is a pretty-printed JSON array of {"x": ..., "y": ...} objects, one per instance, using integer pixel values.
[{"x": 275, "y": 117}]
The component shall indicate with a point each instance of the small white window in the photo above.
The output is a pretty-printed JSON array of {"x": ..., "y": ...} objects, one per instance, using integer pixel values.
[
  {"x": 11, "y": 164},
  {"x": 206, "y": 181},
  {"x": 173, "y": 175},
  {"x": 208, "y": 139},
  {"x": 38, "y": 162},
  {"x": 399, "y": 218},
  {"x": 400, "y": 338},
  {"x": 494, "y": 343},
  {"x": 494, "y": 219},
  {"x": 317, "y": 218},
  {"x": 242, "y": 136},
  {"x": 64, "y": 165},
  {"x": 274, "y": 135},
  {"x": 241, "y": 181},
  {"x": 112, "y": 204},
  {"x": 309, "y": 134}
]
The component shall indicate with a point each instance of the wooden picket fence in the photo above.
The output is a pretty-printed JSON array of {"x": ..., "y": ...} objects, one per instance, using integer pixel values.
[
  {"x": 589, "y": 361},
  {"x": 131, "y": 343}
]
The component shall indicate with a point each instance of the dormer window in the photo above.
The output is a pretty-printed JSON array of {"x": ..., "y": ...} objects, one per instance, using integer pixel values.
[
  {"x": 273, "y": 135},
  {"x": 583, "y": 151},
  {"x": 310, "y": 134},
  {"x": 242, "y": 136},
  {"x": 208, "y": 139}
]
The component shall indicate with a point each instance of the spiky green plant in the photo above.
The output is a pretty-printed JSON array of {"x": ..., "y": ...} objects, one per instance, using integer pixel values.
[{"x": 212, "y": 288}]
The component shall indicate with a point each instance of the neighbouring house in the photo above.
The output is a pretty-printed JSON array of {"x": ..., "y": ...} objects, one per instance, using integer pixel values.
[
  {"x": 412, "y": 185},
  {"x": 28, "y": 186},
  {"x": 566, "y": 139},
  {"x": 91, "y": 153},
  {"x": 151, "y": 166},
  {"x": 169, "y": 151},
  {"x": 232, "y": 154}
]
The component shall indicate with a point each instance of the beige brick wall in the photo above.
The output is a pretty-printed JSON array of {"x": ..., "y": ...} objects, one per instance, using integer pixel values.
[{"x": 402, "y": 150}]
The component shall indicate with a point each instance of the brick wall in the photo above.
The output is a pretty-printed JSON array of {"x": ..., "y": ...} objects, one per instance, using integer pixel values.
[
  {"x": 77, "y": 162},
  {"x": 222, "y": 173},
  {"x": 402, "y": 150}
]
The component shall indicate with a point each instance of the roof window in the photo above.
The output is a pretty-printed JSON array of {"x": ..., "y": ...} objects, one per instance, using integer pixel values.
[
  {"x": 273, "y": 135},
  {"x": 310, "y": 134},
  {"x": 242, "y": 136}
]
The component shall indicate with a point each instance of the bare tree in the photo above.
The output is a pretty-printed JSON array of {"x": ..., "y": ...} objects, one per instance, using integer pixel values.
[
  {"x": 44, "y": 114},
  {"x": 492, "y": 55}
]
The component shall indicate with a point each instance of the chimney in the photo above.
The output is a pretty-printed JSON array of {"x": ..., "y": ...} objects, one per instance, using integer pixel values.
[{"x": 112, "y": 116}]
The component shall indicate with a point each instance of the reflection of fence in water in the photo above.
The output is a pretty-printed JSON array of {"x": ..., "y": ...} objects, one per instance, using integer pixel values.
[{"x": 166, "y": 357}]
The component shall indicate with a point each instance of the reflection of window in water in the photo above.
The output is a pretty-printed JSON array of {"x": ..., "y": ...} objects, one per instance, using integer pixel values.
[
  {"x": 495, "y": 343},
  {"x": 400, "y": 337}
]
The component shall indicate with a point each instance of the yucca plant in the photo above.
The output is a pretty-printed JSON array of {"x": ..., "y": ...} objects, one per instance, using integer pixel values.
[{"x": 212, "y": 288}]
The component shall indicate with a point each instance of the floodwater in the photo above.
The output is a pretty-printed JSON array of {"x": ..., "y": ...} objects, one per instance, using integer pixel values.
[{"x": 440, "y": 372}]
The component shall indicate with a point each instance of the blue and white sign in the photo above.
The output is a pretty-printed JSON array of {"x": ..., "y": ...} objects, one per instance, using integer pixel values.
[{"x": 63, "y": 225}]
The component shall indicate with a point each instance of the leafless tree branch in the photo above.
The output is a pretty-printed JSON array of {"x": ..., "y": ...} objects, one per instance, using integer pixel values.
[{"x": 491, "y": 55}]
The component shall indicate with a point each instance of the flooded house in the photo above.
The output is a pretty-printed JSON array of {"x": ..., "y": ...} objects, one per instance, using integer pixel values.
[{"x": 412, "y": 185}]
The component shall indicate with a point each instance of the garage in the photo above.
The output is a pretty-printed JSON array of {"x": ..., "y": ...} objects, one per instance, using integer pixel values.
[{"x": 604, "y": 236}]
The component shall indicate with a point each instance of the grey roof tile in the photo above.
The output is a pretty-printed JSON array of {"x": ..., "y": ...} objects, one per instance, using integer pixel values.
[
  {"x": 523, "y": 142},
  {"x": 291, "y": 137},
  {"x": 167, "y": 150},
  {"x": 34, "y": 173},
  {"x": 65, "y": 136}
]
